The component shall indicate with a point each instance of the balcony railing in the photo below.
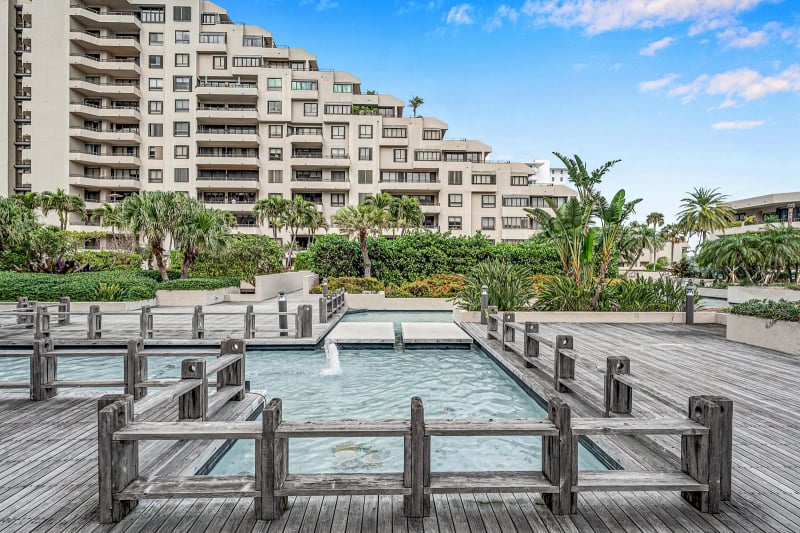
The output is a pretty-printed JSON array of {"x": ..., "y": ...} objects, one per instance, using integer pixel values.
[
  {"x": 227, "y": 131},
  {"x": 102, "y": 13},
  {"x": 106, "y": 154},
  {"x": 224, "y": 154},
  {"x": 105, "y": 177},
  {"x": 131, "y": 83},
  {"x": 134, "y": 60},
  {"x": 108, "y": 130},
  {"x": 90, "y": 34},
  {"x": 228, "y": 202},
  {"x": 227, "y": 178},
  {"x": 96, "y": 106},
  {"x": 319, "y": 156},
  {"x": 228, "y": 84},
  {"x": 226, "y": 108},
  {"x": 318, "y": 180}
]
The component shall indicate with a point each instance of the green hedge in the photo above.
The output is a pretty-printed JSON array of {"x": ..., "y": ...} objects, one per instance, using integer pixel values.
[
  {"x": 351, "y": 285},
  {"x": 81, "y": 287},
  {"x": 770, "y": 309},
  {"x": 155, "y": 275},
  {"x": 107, "y": 260},
  {"x": 198, "y": 284}
]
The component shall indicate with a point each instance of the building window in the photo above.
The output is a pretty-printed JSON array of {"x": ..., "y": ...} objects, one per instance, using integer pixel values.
[
  {"x": 519, "y": 181},
  {"x": 182, "y": 106},
  {"x": 208, "y": 18},
  {"x": 213, "y": 38},
  {"x": 304, "y": 85},
  {"x": 338, "y": 175},
  {"x": 156, "y": 84},
  {"x": 395, "y": 133},
  {"x": 152, "y": 14},
  {"x": 487, "y": 223},
  {"x": 181, "y": 151},
  {"x": 253, "y": 41},
  {"x": 454, "y": 177},
  {"x": 181, "y": 60},
  {"x": 181, "y": 37},
  {"x": 365, "y": 154},
  {"x": 220, "y": 62},
  {"x": 364, "y": 177},
  {"x": 337, "y": 199},
  {"x": 337, "y": 132},
  {"x": 181, "y": 83},
  {"x": 342, "y": 87},
  {"x": 454, "y": 223},
  {"x": 427, "y": 155},
  {"x": 155, "y": 107},
  {"x": 454, "y": 200},
  {"x": 516, "y": 201},
  {"x": 182, "y": 14},
  {"x": 155, "y": 130},
  {"x": 156, "y": 38},
  {"x": 338, "y": 153},
  {"x": 516, "y": 222},
  {"x": 180, "y": 129},
  {"x": 247, "y": 61},
  {"x": 276, "y": 154},
  {"x": 155, "y": 152},
  {"x": 400, "y": 155},
  {"x": 484, "y": 179},
  {"x": 274, "y": 84},
  {"x": 275, "y": 131},
  {"x": 156, "y": 61},
  {"x": 310, "y": 109},
  {"x": 337, "y": 109},
  {"x": 365, "y": 131},
  {"x": 155, "y": 175},
  {"x": 275, "y": 176},
  {"x": 181, "y": 175},
  {"x": 275, "y": 107},
  {"x": 431, "y": 135},
  {"x": 488, "y": 200}
]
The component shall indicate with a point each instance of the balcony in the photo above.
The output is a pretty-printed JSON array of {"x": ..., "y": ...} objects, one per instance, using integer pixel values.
[
  {"x": 233, "y": 180},
  {"x": 119, "y": 20},
  {"x": 90, "y": 111},
  {"x": 128, "y": 159},
  {"x": 229, "y": 136},
  {"x": 23, "y": 117},
  {"x": 23, "y": 71},
  {"x": 319, "y": 185},
  {"x": 105, "y": 182},
  {"x": 224, "y": 114},
  {"x": 129, "y": 135},
  {"x": 394, "y": 141},
  {"x": 23, "y": 141},
  {"x": 91, "y": 88},
  {"x": 234, "y": 207},
  {"x": 227, "y": 89},
  {"x": 119, "y": 45},
  {"x": 125, "y": 67},
  {"x": 225, "y": 160},
  {"x": 23, "y": 164},
  {"x": 430, "y": 209},
  {"x": 406, "y": 186},
  {"x": 319, "y": 161}
]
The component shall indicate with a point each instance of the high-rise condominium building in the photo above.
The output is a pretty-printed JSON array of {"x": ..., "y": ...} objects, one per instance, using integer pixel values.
[{"x": 112, "y": 97}]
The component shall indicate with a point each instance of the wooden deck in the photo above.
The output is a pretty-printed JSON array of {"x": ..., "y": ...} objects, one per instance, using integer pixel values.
[{"x": 48, "y": 477}]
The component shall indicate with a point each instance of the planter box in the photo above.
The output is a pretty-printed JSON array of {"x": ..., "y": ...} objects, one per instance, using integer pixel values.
[
  {"x": 700, "y": 317},
  {"x": 379, "y": 302},
  {"x": 738, "y": 294},
  {"x": 780, "y": 336},
  {"x": 269, "y": 285},
  {"x": 192, "y": 298}
]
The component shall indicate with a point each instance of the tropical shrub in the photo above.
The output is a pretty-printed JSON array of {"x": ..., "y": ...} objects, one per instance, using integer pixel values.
[
  {"x": 80, "y": 287},
  {"x": 302, "y": 261},
  {"x": 436, "y": 286},
  {"x": 245, "y": 257},
  {"x": 769, "y": 309},
  {"x": 155, "y": 275},
  {"x": 103, "y": 260},
  {"x": 560, "y": 293},
  {"x": 198, "y": 284},
  {"x": 509, "y": 286},
  {"x": 637, "y": 295},
  {"x": 352, "y": 285},
  {"x": 333, "y": 256},
  {"x": 109, "y": 292}
]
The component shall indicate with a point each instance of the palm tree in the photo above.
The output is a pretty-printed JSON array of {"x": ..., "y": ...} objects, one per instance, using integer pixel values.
[
  {"x": 299, "y": 214},
  {"x": 30, "y": 199},
  {"x": 634, "y": 239},
  {"x": 316, "y": 223},
  {"x": 704, "y": 211},
  {"x": 656, "y": 219},
  {"x": 733, "y": 252},
  {"x": 360, "y": 221},
  {"x": 781, "y": 247},
  {"x": 271, "y": 210},
  {"x": 63, "y": 204},
  {"x": 109, "y": 216},
  {"x": 153, "y": 215},
  {"x": 383, "y": 202},
  {"x": 406, "y": 212},
  {"x": 612, "y": 216},
  {"x": 17, "y": 222},
  {"x": 415, "y": 102},
  {"x": 673, "y": 234},
  {"x": 200, "y": 230}
]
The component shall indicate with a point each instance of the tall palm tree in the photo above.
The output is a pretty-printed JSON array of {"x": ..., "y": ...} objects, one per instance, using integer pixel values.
[
  {"x": 406, "y": 213},
  {"x": 360, "y": 221},
  {"x": 153, "y": 215},
  {"x": 109, "y": 216},
  {"x": 734, "y": 252},
  {"x": 200, "y": 230},
  {"x": 780, "y": 245},
  {"x": 271, "y": 210},
  {"x": 383, "y": 202},
  {"x": 656, "y": 219},
  {"x": 63, "y": 204},
  {"x": 299, "y": 214},
  {"x": 315, "y": 223},
  {"x": 30, "y": 199},
  {"x": 635, "y": 238},
  {"x": 673, "y": 234},
  {"x": 415, "y": 102},
  {"x": 704, "y": 211}
]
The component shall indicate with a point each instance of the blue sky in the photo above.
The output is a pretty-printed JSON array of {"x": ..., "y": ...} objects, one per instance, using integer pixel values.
[{"x": 686, "y": 92}]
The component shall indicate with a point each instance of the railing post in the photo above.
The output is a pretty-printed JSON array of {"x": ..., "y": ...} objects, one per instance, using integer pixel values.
[
  {"x": 325, "y": 287},
  {"x": 193, "y": 405},
  {"x": 272, "y": 460},
  {"x": 491, "y": 322},
  {"x": 302, "y": 322},
  {"x": 283, "y": 318},
  {"x": 508, "y": 332},
  {"x": 117, "y": 461},
  {"x": 701, "y": 455},
  {"x": 530, "y": 347},
  {"x": 41, "y": 323},
  {"x": 690, "y": 304},
  {"x": 64, "y": 306},
  {"x": 135, "y": 369},
  {"x": 249, "y": 323},
  {"x": 484, "y": 303},
  {"x": 557, "y": 460},
  {"x": 416, "y": 464},
  {"x": 618, "y": 396},
  {"x": 563, "y": 367},
  {"x": 234, "y": 374},
  {"x": 146, "y": 323},
  {"x": 95, "y": 323},
  {"x": 22, "y": 305},
  {"x": 198, "y": 323},
  {"x": 44, "y": 370},
  {"x": 323, "y": 310},
  {"x": 726, "y": 459}
]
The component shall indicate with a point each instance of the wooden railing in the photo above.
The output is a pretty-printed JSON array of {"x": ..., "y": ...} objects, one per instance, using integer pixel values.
[
  {"x": 619, "y": 383},
  {"x": 44, "y": 381},
  {"x": 330, "y": 303},
  {"x": 703, "y": 480},
  {"x": 35, "y": 315}
]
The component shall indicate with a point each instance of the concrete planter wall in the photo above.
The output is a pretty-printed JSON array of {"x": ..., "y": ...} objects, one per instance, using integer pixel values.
[
  {"x": 722, "y": 294},
  {"x": 379, "y": 302},
  {"x": 192, "y": 298},
  {"x": 738, "y": 294},
  {"x": 595, "y": 318},
  {"x": 776, "y": 335},
  {"x": 268, "y": 286},
  {"x": 110, "y": 307}
]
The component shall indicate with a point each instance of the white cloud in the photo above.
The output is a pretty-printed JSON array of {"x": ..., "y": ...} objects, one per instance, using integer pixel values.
[
  {"x": 321, "y": 5},
  {"x": 740, "y": 37},
  {"x": 655, "y": 46},
  {"x": 579, "y": 67},
  {"x": 460, "y": 14},
  {"x": 597, "y": 16},
  {"x": 745, "y": 83},
  {"x": 655, "y": 85},
  {"x": 738, "y": 125},
  {"x": 502, "y": 14}
]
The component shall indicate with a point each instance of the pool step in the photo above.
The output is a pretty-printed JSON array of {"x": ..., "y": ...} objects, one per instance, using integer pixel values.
[
  {"x": 422, "y": 333},
  {"x": 363, "y": 333}
]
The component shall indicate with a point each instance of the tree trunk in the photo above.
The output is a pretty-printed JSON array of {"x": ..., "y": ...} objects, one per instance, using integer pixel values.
[
  {"x": 274, "y": 229},
  {"x": 362, "y": 237},
  {"x": 672, "y": 252},
  {"x": 160, "y": 264},
  {"x": 634, "y": 263},
  {"x": 600, "y": 281},
  {"x": 62, "y": 219},
  {"x": 188, "y": 261}
]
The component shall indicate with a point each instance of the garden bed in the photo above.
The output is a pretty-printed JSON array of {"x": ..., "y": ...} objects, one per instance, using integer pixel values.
[
  {"x": 779, "y": 335},
  {"x": 740, "y": 294},
  {"x": 597, "y": 317},
  {"x": 379, "y": 302}
]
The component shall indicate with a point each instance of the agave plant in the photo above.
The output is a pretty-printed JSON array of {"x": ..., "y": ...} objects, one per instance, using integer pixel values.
[
  {"x": 510, "y": 287},
  {"x": 109, "y": 292}
]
